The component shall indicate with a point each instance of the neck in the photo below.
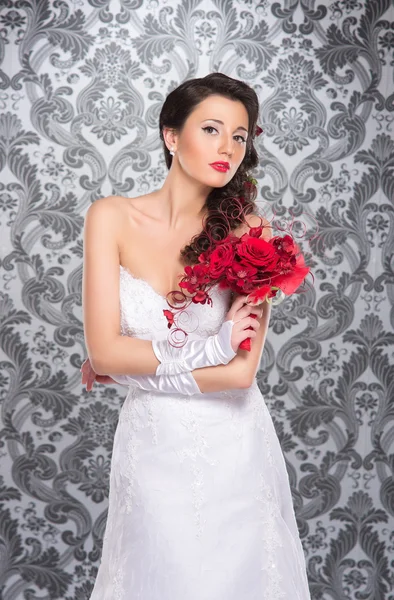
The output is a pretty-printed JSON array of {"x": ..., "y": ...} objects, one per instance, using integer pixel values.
[{"x": 182, "y": 199}]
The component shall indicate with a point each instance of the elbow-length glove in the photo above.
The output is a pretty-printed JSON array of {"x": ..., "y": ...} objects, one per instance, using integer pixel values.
[
  {"x": 173, "y": 374},
  {"x": 195, "y": 354},
  {"x": 182, "y": 383}
]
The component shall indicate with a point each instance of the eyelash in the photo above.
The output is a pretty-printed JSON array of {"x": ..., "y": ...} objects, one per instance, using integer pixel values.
[{"x": 210, "y": 127}]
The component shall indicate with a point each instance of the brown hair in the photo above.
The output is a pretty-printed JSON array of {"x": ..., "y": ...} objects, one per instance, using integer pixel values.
[{"x": 226, "y": 206}]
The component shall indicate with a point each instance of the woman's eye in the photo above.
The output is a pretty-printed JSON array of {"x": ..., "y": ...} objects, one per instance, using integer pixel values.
[
  {"x": 243, "y": 140},
  {"x": 209, "y": 127}
]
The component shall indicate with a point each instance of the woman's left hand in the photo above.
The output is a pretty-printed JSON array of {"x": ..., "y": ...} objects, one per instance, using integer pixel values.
[{"x": 89, "y": 376}]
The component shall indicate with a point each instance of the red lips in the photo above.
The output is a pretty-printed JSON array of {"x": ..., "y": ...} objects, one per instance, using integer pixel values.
[{"x": 220, "y": 166}]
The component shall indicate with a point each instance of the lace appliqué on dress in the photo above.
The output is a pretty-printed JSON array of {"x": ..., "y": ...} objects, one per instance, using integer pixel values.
[
  {"x": 140, "y": 307},
  {"x": 118, "y": 585},
  {"x": 261, "y": 415},
  {"x": 196, "y": 451},
  {"x": 135, "y": 423},
  {"x": 270, "y": 516}
]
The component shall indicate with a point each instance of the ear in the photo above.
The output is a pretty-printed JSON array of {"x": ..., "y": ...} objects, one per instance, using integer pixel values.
[{"x": 170, "y": 137}]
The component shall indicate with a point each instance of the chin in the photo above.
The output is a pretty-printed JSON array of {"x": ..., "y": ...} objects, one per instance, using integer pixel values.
[
  {"x": 217, "y": 179},
  {"x": 213, "y": 180}
]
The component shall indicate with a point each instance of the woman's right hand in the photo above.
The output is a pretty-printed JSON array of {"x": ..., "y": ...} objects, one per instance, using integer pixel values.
[
  {"x": 240, "y": 313},
  {"x": 89, "y": 376}
]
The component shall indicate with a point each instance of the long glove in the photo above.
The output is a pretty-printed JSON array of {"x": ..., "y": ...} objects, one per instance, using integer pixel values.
[
  {"x": 182, "y": 383},
  {"x": 195, "y": 354}
]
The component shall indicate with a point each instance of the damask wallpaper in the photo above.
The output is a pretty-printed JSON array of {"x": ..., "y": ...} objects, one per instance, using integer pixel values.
[{"x": 81, "y": 87}]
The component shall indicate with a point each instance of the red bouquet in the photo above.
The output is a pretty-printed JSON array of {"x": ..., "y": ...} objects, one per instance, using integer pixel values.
[{"x": 248, "y": 265}]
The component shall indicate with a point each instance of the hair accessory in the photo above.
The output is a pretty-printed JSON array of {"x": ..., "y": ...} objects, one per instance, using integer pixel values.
[
  {"x": 258, "y": 131},
  {"x": 172, "y": 152}
]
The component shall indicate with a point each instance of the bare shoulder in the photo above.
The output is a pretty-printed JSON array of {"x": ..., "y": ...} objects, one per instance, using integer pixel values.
[
  {"x": 253, "y": 220},
  {"x": 119, "y": 210},
  {"x": 110, "y": 205}
]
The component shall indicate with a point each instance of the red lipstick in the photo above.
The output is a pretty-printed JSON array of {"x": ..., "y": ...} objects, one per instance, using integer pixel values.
[{"x": 220, "y": 166}]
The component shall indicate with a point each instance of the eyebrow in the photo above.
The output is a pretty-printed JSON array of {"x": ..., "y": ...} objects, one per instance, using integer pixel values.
[{"x": 221, "y": 123}]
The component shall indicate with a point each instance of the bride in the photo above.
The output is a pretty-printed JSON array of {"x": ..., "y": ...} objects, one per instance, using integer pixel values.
[{"x": 200, "y": 506}]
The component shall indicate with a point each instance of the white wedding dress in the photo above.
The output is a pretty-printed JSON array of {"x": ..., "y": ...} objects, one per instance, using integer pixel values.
[{"x": 199, "y": 505}]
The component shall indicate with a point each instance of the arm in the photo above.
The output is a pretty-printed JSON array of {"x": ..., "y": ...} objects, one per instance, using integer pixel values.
[
  {"x": 223, "y": 377},
  {"x": 198, "y": 382},
  {"x": 100, "y": 298}
]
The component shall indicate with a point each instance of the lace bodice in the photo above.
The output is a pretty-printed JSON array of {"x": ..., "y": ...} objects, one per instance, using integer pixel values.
[{"x": 141, "y": 311}]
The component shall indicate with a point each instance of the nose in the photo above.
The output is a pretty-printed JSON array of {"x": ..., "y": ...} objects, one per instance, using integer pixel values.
[{"x": 227, "y": 146}]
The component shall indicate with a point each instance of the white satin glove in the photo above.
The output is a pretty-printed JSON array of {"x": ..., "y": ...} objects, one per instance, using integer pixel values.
[
  {"x": 182, "y": 383},
  {"x": 195, "y": 354}
]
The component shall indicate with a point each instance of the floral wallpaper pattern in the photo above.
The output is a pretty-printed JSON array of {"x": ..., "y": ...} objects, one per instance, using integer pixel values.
[{"x": 81, "y": 87}]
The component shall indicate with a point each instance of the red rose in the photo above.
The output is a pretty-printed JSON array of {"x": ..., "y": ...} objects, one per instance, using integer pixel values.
[
  {"x": 257, "y": 252},
  {"x": 221, "y": 258}
]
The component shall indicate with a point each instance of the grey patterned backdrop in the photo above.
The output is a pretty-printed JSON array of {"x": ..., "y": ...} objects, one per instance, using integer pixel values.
[{"x": 81, "y": 86}]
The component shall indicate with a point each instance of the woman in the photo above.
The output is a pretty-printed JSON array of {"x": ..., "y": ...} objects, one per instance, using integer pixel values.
[{"x": 199, "y": 505}]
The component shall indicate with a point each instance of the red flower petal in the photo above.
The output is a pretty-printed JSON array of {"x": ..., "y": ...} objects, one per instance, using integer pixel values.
[
  {"x": 290, "y": 282},
  {"x": 259, "y": 295},
  {"x": 170, "y": 318}
]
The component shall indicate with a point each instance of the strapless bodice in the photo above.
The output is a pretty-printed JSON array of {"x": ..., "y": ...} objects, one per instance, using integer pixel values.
[{"x": 141, "y": 311}]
